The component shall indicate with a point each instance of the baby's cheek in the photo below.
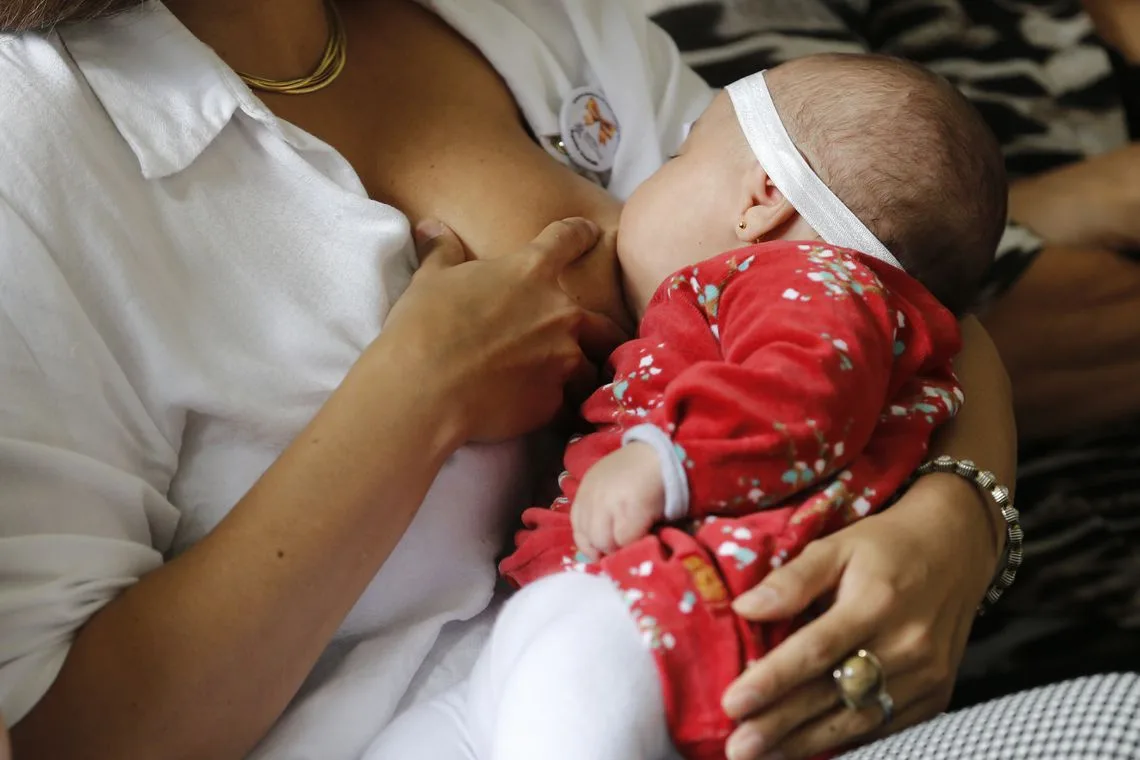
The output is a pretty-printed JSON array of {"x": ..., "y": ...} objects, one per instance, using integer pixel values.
[{"x": 642, "y": 259}]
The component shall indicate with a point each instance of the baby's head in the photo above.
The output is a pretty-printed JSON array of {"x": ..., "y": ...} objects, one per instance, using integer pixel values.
[{"x": 898, "y": 145}]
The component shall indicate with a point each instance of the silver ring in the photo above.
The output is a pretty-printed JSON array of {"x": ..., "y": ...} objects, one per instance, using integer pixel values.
[{"x": 887, "y": 705}]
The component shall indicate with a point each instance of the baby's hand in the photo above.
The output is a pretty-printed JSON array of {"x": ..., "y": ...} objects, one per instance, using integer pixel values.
[{"x": 619, "y": 500}]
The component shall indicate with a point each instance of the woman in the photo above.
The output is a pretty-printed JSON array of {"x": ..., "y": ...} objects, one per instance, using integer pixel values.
[{"x": 239, "y": 519}]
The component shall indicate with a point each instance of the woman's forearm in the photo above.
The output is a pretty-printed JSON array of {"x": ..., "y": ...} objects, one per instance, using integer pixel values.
[
  {"x": 200, "y": 657},
  {"x": 1069, "y": 332},
  {"x": 984, "y": 430}
]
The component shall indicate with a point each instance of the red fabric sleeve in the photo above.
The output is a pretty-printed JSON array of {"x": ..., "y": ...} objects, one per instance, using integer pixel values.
[{"x": 805, "y": 377}]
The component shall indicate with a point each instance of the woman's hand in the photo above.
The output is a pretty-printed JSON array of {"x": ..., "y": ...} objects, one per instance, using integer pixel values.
[
  {"x": 893, "y": 595},
  {"x": 499, "y": 335}
]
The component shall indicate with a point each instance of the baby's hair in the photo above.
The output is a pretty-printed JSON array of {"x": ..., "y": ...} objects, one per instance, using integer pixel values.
[{"x": 909, "y": 155}]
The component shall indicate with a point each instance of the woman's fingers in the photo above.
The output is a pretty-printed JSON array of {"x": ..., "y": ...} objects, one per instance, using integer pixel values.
[
  {"x": 581, "y": 382},
  {"x": 438, "y": 246},
  {"x": 510, "y": 337},
  {"x": 843, "y": 727},
  {"x": 557, "y": 245},
  {"x": 812, "y": 720},
  {"x": 564, "y": 241},
  {"x": 756, "y": 736},
  {"x": 918, "y": 712},
  {"x": 808, "y": 653},
  {"x": 839, "y": 727},
  {"x": 599, "y": 335},
  {"x": 785, "y": 593},
  {"x": 791, "y": 589}
]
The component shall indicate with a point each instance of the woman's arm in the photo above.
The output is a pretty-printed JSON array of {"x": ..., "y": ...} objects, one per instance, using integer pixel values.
[
  {"x": 906, "y": 585},
  {"x": 1069, "y": 329},
  {"x": 1093, "y": 203},
  {"x": 200, "y": 657},
  {"x": 1069, "y": 332},
  {"x": 984, "y": 430}
]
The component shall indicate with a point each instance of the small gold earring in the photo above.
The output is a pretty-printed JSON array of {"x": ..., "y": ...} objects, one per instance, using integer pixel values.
[{"x": 743, "y": 225}]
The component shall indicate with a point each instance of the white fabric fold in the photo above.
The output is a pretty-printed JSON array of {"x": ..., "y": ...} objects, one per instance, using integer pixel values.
[{"x": 792, "y": 174}]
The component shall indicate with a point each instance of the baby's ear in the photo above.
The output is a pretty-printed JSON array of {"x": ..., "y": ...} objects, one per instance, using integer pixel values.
[{"x": 766, "y": 210}]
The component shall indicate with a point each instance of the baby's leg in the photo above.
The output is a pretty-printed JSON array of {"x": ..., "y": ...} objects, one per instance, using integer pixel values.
[
  {"x": 566, "y": 676},
  {"x": 432, "y": 730}
]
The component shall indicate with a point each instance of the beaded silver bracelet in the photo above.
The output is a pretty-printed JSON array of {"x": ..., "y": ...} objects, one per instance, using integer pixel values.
[{"x": 987, "y": 483}]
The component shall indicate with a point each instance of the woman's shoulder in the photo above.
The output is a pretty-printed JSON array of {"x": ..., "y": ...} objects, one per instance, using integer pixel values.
[
  {"x": 559, "y": 57},
  {"x": 45, "y": 108}
]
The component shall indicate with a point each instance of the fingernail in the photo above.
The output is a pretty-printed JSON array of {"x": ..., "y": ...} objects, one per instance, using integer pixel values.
[
  {"x": 590, "y": 223},
  {"x": 756, "y": 602},
  {"x": 429, "y": 229},
  {"x": 745, "y": 744}
]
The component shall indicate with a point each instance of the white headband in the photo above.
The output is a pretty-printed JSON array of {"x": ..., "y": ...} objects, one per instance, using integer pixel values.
[{"x": 793, "y": 176}]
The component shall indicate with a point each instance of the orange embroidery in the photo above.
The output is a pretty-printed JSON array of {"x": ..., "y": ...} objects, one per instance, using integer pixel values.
[
  {"x": 606, "y": 129},
  {"x": 705, "y": 578}
]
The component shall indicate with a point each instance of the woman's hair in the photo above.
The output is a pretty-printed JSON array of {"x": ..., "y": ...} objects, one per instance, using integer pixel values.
[{"x": 33, "y": 15}]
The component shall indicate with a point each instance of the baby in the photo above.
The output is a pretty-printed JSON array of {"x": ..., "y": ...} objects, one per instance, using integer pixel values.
[{"x": 776, "y": 392}]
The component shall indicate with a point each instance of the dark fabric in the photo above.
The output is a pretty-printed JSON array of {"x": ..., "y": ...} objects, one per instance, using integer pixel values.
[{"x": 1127, "y": 76}]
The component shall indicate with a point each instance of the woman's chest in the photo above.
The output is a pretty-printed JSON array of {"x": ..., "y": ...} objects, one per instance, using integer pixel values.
[{"x": 431, "y": 129}]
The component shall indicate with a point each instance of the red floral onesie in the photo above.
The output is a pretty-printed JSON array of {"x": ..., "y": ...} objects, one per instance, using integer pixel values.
[{"x": 799, "y": 385}]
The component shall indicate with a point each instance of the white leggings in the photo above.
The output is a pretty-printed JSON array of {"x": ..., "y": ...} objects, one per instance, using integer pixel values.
[{"x": 564, "y": 676}]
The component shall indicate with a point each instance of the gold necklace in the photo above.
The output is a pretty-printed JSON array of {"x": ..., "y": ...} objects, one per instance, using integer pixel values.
[{"x": 326, "y": 71}]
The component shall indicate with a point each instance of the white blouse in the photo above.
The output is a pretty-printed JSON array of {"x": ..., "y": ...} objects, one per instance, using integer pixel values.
[{"x": 184, "y": 279}]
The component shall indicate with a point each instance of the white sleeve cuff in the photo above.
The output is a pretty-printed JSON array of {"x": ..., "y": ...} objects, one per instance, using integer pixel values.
[{"x": 672, "y": 468}]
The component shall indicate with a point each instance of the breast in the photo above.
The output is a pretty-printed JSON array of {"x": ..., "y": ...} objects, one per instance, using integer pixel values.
[
  {"x": 446, "y": 140},
  {"x": 520, "y": 190}
]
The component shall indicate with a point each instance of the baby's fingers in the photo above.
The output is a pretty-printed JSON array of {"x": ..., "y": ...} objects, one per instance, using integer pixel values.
[
  {"x": 601, "y": 531},
  {"x": 631, "y": 525},
  {"x": 579, "y": 521}
]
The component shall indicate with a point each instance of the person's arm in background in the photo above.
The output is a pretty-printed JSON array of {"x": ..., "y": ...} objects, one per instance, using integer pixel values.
[
  {"x": 1069, "y": 334},
  {"x": 1069, "y": 328},
  {"x": 1118, "y": 24}
]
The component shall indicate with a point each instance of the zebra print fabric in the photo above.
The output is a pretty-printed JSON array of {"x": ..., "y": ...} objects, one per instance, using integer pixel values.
[{"x": 1037, "y": 72}]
